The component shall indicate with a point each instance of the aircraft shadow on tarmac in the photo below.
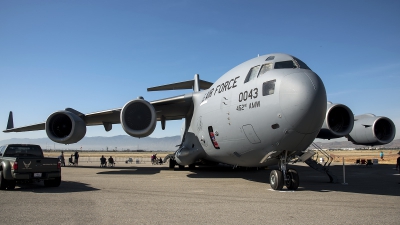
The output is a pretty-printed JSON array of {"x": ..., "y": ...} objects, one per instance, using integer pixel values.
[
  {"x": 375, "y": 180},
  {"x": 133, "y": 170},
  {"x": 65, "y": 187}
]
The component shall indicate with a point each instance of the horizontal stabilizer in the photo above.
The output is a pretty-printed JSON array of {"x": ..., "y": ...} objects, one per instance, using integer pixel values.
[{"x": 181, "y": 85}]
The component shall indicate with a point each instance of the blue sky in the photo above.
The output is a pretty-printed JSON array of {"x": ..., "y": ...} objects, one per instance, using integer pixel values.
[{"x": 97, "y": 55}]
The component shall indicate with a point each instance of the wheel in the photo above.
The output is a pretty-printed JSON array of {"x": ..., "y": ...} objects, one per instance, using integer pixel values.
[
  {"x": 172, "y": 163},
  {"x": 192, "y": 166},
  {"x": 181, "y": 167},
  {"x": 276, "y": 180},
  {"x": 3, "y": 182},
  {"x": 293, "y": 179},
  {"x": 11, "y": 185}
]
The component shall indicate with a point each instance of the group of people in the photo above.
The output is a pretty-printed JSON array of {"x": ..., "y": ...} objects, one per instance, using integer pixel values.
[
  {"x": 155, "y": 160},
  {"x": 74, "y": 159},
  {"x": 103, "y": 161}
]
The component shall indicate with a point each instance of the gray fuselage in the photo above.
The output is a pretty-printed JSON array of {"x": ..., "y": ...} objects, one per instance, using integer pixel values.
[{"x": 254, "y": 112}]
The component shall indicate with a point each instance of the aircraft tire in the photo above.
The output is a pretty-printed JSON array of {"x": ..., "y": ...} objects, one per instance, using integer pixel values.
[
  {"x": 276, "y": 179},
  {"x": 192, "y": 166},
  {"x": 181, "y": 167},
  {"x": 3, "y": 182},
  {"x": 293, "y": 179}
]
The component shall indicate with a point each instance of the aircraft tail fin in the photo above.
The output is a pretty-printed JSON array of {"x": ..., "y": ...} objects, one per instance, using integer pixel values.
[
  {"x": 196, "y": 84},
  {"x": 10, "y": 124}
]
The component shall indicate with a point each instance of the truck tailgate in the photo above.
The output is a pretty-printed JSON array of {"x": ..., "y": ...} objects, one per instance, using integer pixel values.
[{"x": 29, "y": 165}]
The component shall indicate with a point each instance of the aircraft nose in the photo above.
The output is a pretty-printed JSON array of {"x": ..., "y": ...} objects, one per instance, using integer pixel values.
[{"x": 303, "y": 101}]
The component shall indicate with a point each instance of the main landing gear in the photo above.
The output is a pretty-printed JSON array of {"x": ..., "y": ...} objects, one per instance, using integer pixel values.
[{"x": 284, "y": 176}]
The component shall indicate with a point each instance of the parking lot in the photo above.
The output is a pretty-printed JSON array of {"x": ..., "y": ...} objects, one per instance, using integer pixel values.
[{"x": 147, "y": 194}]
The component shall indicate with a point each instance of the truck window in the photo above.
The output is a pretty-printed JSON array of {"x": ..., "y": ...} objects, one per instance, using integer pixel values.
[
  {"x": 25, "y": 151},
  {"x": 2, "y": 150}
]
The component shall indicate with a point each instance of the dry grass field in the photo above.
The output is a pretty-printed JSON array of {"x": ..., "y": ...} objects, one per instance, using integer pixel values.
[
  {"x": 350, "y": 156},
  {"x": 389, "y": 157}
]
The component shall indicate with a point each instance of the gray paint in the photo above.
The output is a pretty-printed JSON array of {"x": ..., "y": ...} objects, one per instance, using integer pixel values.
[{"x": 250, "y": 129}]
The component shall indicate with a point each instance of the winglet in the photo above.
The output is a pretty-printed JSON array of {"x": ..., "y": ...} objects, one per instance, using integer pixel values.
[{"x": 10, "y": 124}]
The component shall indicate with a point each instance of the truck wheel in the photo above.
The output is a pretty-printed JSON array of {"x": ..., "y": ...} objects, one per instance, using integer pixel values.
[
  {"x": 11, "y": 185},
  {"x": 3, "y": 182}
]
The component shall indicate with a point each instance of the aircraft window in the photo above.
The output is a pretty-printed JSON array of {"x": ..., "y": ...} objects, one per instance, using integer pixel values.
[
  {"x": 269, "y": 87},
  {"x": 252, "y": 74},
  {"x": 285, "y": 65},
  {"x": 265, "y": 68},
  {"x": 301, "y": 64},
  {"x": 270, "y": 58}
]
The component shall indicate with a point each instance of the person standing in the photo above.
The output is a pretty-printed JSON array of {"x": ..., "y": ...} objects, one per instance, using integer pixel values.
[
  {"x": 381, "y": 154},
  {"x": 62, "y": 159},
  {"x": 76, "y": 158},
  {"x": 398, "y": 163}
]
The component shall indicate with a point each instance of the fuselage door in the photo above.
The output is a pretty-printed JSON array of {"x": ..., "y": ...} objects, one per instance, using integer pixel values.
[{"x": 251, "y": 134}]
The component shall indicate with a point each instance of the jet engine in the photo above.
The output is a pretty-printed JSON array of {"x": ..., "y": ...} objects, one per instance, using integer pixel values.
[
  {"x": 338, "y": 122},
  {"x": 65, "y": 127},
  {"x": 372, "y": 130},
  {"x": 138, "y": 118}
]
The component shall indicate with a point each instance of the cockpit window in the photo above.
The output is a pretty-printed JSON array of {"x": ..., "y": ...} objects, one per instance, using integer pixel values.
[
  {"x": 301, "y": 64},
  {"x": 269, "y": 87},
  {"x": 270, "y": 58},
  {"x": 252, "y": 74},
  {"x": 265, "y": 68},
  {"x": 285, "y": 65}
]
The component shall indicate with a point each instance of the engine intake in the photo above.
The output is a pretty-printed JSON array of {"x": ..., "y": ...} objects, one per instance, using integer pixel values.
[
  {"x": 138, "y": 118},
  {"x": 339, "y": 122},
  {"x": 65, "y": 127},
  {"x": 372, "y": 130}
]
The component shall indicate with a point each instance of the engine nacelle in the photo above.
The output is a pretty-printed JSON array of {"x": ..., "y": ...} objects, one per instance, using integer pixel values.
[
  {"x": 65, "y": 127},
  {"x": 138, "y": 118},
  {"x": 372, "y": 130},
  {"x": 339, "y": 122}
]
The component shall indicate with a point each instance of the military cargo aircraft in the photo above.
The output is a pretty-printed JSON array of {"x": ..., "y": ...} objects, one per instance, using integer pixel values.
[{"x": 265, "y": 111}]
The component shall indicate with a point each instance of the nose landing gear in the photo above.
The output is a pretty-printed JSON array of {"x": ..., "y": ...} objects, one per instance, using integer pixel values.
[{"x": 284, "y": 176}]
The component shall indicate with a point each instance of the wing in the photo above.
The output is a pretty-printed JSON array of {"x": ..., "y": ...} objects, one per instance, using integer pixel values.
[{"x": 172, "y": 108}]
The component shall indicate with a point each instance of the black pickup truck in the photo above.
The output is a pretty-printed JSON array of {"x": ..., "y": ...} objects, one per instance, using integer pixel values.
[{"x": 26, "y": 163}]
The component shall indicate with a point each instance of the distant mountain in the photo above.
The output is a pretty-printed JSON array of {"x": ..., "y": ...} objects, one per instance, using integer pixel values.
[
  {"x": 125, "y": 142},
  {"x": 120, "y": 142}
]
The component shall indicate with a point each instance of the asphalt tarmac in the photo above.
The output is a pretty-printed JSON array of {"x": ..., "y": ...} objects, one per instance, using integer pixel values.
[{"x": 147, "y": 194}]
